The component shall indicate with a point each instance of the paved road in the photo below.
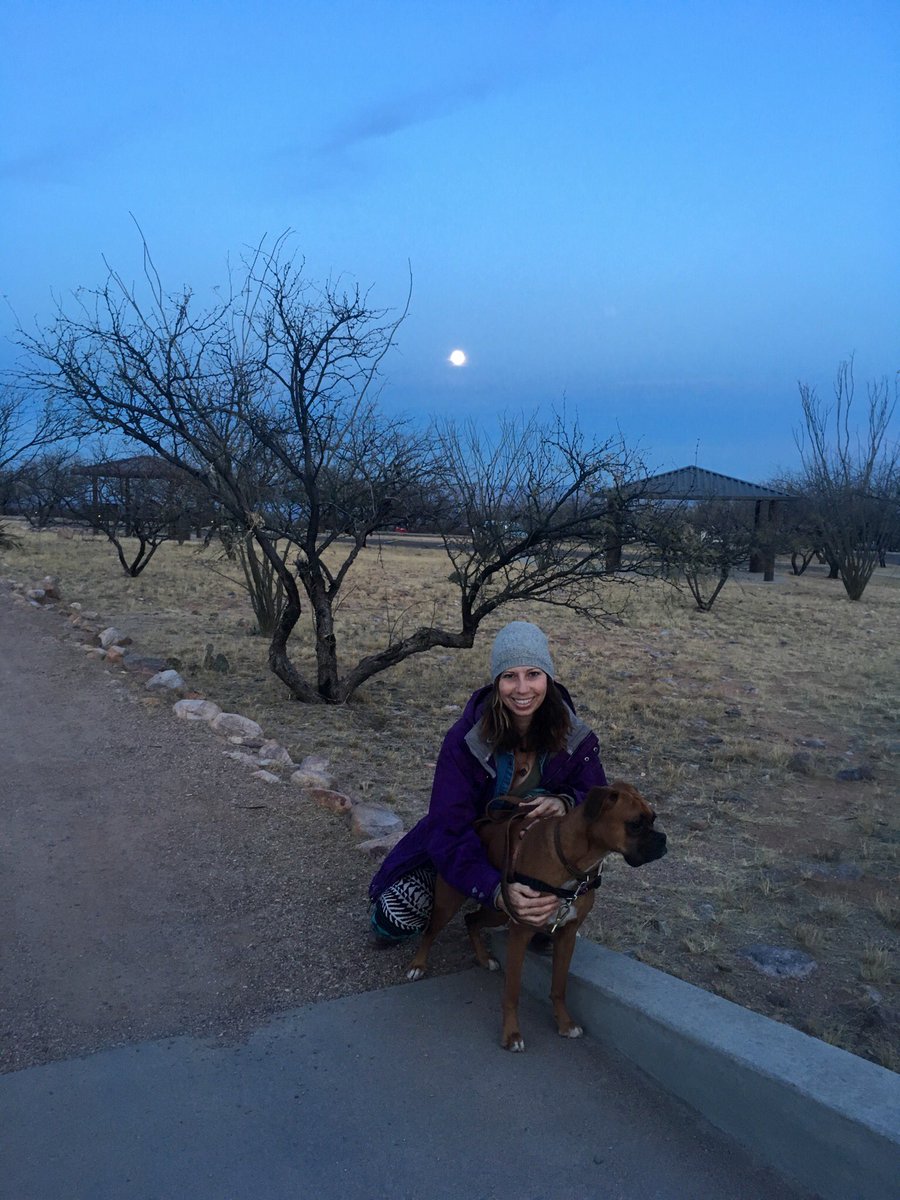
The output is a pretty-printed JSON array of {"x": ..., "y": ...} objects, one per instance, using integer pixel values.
[{"x": 393, "y": 1093}]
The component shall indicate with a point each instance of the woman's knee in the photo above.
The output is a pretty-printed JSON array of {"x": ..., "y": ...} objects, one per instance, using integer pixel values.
[{"x": 404, "y": 909}]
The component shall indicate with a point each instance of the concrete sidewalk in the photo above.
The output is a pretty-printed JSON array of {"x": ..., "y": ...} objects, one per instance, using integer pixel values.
[{"x": 396, "y": 1094}]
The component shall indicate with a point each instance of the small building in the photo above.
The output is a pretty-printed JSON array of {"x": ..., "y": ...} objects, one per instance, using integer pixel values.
[
  {"x": 142, "y": 467},
  {"x": 696, "y": 483}
]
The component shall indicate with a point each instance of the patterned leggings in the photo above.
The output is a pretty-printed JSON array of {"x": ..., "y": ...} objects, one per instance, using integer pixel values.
[{"x": 404, "y": 909}]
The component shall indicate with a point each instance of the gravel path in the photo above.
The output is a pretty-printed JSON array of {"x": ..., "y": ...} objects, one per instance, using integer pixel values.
[{"x": 148, "y": 886}]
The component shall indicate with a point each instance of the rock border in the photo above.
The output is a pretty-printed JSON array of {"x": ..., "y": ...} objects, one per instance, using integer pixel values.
[{"x": 377, "y": 827}]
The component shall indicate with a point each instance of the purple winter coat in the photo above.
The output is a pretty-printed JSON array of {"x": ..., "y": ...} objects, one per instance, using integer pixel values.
[{"x": 465, "y": 779}]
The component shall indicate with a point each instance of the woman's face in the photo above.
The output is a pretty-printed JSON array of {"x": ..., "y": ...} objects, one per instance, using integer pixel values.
[{"x": 522, "y": 691}]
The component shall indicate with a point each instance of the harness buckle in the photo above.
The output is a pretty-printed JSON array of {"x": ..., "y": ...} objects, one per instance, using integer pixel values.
[{"x": 561, "y": 914}]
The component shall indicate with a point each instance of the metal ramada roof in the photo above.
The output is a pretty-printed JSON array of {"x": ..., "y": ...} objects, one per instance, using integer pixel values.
[
  {"x": 141, "y": 466},
  {"x": 695, "y": 483}
]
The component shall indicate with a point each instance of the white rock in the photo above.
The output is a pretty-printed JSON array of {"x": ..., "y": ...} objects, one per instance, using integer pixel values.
[
  {"x": 242, "y": 756},
  {"x": 316, "y": 762},
  {"x": 36, "y": 595},
  {"x": 163, "y": 681},
  {"x": 276, "y": 764},
  {"x": 272, "y": 751},
  {"x": 310, "y": 779},
  {"x": 110, "y": 637},
  {"x": 233, "y": 723},
  {"x": 196, "y": 710},
  {"x": 316, "y": 767},
  {"x": 374, "y": 821},
  {"x": 266, "y": 776},
  {"x": 379, "y": 846}
]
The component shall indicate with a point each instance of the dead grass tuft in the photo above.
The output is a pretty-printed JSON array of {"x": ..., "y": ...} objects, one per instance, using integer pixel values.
[
  {"x": 834, "y": 910},
  {"x": 887, "y": 909},
  {"x": 876, "y": 963},
  {"x": 809, "y": 935}
]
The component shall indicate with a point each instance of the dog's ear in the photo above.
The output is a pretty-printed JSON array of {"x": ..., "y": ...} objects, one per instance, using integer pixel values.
[{"x": 598, "y": 800}]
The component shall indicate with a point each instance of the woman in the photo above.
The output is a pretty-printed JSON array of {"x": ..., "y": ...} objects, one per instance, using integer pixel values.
[{"x": 519, "y": 736}]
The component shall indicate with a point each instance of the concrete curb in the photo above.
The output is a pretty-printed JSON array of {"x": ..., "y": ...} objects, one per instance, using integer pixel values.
[{"x": 819, "y": 1115}]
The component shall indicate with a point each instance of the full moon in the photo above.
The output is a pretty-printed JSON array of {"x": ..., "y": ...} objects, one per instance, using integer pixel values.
[{"x": 458, "y": 358}]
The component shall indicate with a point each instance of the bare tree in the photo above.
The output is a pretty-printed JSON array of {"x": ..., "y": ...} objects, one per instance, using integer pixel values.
[
  {"x": 530, "y": 512},
  {"x": 798, "y": 532},
  {"x": 136, "y": 514},
  {"x": 852, "y": 475},
  {"x": 28, "y": 424},
  {"x": 703, "y": 544},
  {"x": 39, "y": 487},
  {"x": 258, "y": 577},
  {"x": 269, "y": 400}
]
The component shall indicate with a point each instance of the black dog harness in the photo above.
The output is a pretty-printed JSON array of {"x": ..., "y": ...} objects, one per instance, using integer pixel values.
[
  {"x": 584, "y": 885},
  {"x": 587, "y": 880}
]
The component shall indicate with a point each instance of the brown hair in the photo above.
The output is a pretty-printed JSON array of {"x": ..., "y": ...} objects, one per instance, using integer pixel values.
[{"x": 547, "y": 733}]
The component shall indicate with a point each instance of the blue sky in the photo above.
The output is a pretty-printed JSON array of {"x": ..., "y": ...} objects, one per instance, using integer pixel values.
[{"x": 663, "y": 214}]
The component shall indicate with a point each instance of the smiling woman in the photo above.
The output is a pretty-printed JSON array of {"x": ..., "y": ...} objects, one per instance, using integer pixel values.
[{"x": 519, "y": 736}]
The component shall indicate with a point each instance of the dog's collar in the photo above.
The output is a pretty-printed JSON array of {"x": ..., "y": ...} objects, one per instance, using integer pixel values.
[{"x": 581, "y": 876}]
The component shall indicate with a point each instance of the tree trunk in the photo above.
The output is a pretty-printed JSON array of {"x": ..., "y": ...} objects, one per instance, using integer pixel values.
[
  {"x": 327, "y": 676},
  {"x": 279, "y": 659},
  {"x": 423, "y": 639}
]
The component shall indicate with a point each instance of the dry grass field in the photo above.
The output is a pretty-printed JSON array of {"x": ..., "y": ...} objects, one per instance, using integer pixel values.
[{"x": 734, "y": 723}]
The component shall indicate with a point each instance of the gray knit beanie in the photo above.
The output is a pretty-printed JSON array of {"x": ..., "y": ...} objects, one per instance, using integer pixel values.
[{"x": 520, "y": 644}]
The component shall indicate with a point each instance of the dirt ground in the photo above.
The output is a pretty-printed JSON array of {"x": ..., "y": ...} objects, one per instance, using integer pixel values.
[{"x": 147, "y": 888}]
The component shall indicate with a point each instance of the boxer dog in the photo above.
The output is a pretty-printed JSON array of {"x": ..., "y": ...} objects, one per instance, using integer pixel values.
[{"x": 560, "y": 855}]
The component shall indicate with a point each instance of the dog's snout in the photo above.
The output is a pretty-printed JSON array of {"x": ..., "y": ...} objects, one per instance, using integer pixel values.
[{"x": 651, "y": 846}]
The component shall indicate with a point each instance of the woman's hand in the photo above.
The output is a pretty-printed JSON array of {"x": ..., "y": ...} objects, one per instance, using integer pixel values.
[
  {"x": 534, "y": 908},
  {"x": 545, "y": 806}
]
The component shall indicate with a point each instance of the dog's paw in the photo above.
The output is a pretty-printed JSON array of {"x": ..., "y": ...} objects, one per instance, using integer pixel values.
[
  {"x": 415, "y": 973},
  {"x": 492, "y": 964},
  {"x": 572, "y": 1032},
  {"x": 516, "y": 1045}
]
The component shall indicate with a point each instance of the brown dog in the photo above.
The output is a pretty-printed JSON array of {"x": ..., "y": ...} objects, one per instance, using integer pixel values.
[{"x": 553, "y": 854}]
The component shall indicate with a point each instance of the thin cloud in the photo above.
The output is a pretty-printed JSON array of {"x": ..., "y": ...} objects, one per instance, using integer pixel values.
[
  {"x": 52, "y": 164},
  {"x": 340, "y": 156},
  {"x": 390, "y": 116},
  {"x": 65, "y": 160}
]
